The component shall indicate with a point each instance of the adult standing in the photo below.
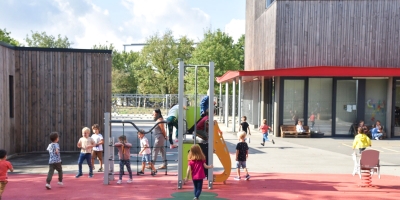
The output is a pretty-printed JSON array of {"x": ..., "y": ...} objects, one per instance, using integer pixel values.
[{"x": 160, "y": 137}]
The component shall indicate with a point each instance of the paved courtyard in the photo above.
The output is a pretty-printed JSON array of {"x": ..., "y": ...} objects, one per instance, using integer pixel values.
[{"x": 293, "y": 168}]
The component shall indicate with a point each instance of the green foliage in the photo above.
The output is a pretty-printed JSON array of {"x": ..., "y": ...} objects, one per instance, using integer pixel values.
[
  {"x": 123, "y": 69},
  {"x": 158, "y": 63},
  {"x": 218, "y": 47},
  {"x": 5, "y": 37},
  {"x": 43, "y": 40}
]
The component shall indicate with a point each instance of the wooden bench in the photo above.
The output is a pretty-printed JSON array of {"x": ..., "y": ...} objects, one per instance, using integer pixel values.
[
  {"x": 369, "y": 134},
  {"x": 290, "y": 131}
]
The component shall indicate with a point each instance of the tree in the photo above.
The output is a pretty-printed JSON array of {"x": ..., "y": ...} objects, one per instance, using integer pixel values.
[
  {"x": 5, "y": 37},
  {"x": 218, "y": 47},
  {"x": 158, "y": 63},
  {"x": 43, "y": 40},
  {"x": 123, "y": 70}
]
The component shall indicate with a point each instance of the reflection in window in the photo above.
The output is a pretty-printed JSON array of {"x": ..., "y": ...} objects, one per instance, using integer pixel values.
[
  {"x": 320, "y": 105},
  {"x": 293, "y": 101}
]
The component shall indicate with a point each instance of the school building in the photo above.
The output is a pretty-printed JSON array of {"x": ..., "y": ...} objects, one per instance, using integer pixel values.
[{"x": 338, "y": 59}]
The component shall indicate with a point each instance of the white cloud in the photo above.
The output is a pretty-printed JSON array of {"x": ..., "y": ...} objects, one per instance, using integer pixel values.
[
  {"x": 235, "y": 28},
  {"x": 91, "y": 22}
]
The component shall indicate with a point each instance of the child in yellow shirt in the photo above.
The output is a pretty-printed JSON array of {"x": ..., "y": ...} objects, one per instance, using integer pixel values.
[{"x": 361, "y": 141}]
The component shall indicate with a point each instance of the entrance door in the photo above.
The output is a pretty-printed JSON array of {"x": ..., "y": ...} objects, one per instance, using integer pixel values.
[
  {"x": 346, "y": 103},
  {"x": 397, "y": 110}
]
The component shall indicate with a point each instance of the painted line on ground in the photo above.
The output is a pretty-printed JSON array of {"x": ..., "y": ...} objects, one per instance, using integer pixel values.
[
  {"x": 390, "y": 149},
  {"x": 351, "y": 146}
]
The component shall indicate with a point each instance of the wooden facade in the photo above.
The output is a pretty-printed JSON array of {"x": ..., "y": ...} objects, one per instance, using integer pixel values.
[
  {"x": 302, "y": 33},
  {"x": 59, "y": 90}
]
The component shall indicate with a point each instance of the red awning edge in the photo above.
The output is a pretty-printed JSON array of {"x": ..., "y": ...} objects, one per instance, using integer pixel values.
[{"x": 315, "y": 71}]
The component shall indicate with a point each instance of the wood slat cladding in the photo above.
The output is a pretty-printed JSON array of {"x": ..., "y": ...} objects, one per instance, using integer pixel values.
[
  {"x": 260, "y": 38},
  {"x": 7, "y": 126},
  {"x": 322, "y": 33},
  {"x": 61, "y": 91}
]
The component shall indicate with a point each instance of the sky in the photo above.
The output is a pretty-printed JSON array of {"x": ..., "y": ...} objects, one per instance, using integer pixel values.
[{"x": 90, "y": 22}]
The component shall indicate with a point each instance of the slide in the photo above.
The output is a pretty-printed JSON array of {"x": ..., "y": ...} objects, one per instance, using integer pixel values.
[{"x": 221, "y": 150}]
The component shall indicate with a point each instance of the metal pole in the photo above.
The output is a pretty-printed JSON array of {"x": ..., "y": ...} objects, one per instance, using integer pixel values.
[
  {"x": 226, "y": 112},
  {"x": 240, "y": 100},
  {"x": 107, "y": 136},
  {"x": 180, "y": 122},
  {"x": 195, "y": 104},
  {"x": 211, "y": 125},
  {"x": 233, "y": 105},
  {"x": 220, "y": 104}
]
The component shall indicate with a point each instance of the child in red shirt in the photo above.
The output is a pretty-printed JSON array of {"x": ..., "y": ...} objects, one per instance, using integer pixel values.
[
  {"x": 4, "y": 167},
  {"x": 264, "y": 129},
  {"x": 197, "y": 163}
]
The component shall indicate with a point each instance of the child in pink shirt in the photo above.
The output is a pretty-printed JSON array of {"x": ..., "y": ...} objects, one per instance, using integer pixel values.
[
  {"x": 197, "y": 163},
  {"x": 264, "y": 129}
]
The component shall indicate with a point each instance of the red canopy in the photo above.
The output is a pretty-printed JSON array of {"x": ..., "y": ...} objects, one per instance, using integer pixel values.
[{"x": 317, "y": 71}]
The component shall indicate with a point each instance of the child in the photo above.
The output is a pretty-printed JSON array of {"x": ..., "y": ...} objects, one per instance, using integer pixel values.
[
  {"x": 98, "y": 149},
  {"x": 242, "y": 153},
  {"x": 54, "y": 160},
  {"x": 264, "y": 129},
  {"x": 361, "y": 141},
  {"x": 124, "y": 155},
  {"x": 145, "y": 151},
  {"x": 245, "y": 126},
  {"x": 4, "y": 167},
  {"x": 197, "y": 163},
  {"x": 299, "y": 127},
  {"x": 312, "y": 119},
  {"x": 376, "y": 132},
  {"x": 86, "y": 145}
]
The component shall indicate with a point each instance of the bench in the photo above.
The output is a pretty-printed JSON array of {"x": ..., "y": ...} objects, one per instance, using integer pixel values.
[
  {"x": 355, "y": 131},
  {"x": 290, "y": 131}
]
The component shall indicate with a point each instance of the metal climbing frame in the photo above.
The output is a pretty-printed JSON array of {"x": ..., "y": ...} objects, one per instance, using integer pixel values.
[
  {"x": 109, "y": 152},
  {"x": 180, "y": 121}
]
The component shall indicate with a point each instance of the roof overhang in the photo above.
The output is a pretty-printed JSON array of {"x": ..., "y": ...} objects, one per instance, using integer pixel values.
[{"x": 316, "y": 71}]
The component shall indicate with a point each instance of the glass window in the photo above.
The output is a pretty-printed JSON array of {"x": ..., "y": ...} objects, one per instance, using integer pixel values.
[
  {"x": 376, "y": 98},
  {"x": 320, "y": 105},
  {"x": 293, "y": 101}
]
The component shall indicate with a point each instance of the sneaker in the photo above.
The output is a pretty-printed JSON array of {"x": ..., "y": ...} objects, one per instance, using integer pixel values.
[
  {"x": 153, "y": 173},
  {"x": 140, "y": 173},
  {"x": 376, "y": 138},
  {"x": 273, "y": 142},
  {"x": 163, "y": 167},
  {"x": 119, "y": 181},
  {"x": 262, "y": 144},
  {"x": 195, "y": 198},
  {"x": 78, "y": 175},
  {"x": 48, "y": 186},
  {"x": 60, "y": 183},
  {"x": 172, "y": 146},
  {"x": 247, "y": 177},
  {"x": 100, "y": 170},
  {"x": 237, "y": 178},
  {"x": 90, "y": 175},
  {"x": 129, "y": 181}
]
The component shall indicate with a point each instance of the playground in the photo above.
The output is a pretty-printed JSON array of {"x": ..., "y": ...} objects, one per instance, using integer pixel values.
[{"x": 290, "y": 169}]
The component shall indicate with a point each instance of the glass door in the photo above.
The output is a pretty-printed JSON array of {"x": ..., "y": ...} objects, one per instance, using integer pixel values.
[
  {"x": 397, "y": 110},
  {"x": 346, "y": 104}
]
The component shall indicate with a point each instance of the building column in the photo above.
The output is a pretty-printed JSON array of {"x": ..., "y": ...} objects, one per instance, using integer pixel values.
[
  {"x": 226, "y": 104},
  {"x": 240, "y": 100},
  {"x": 276, "y": 106},
  {"x": 389, "y": 108},
  {"x": 234, "y": 105},
  {"x": 262, "y": 100}
]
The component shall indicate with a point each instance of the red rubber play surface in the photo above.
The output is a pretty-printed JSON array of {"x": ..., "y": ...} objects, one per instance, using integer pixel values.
[{"x": 261, "y": 186}]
